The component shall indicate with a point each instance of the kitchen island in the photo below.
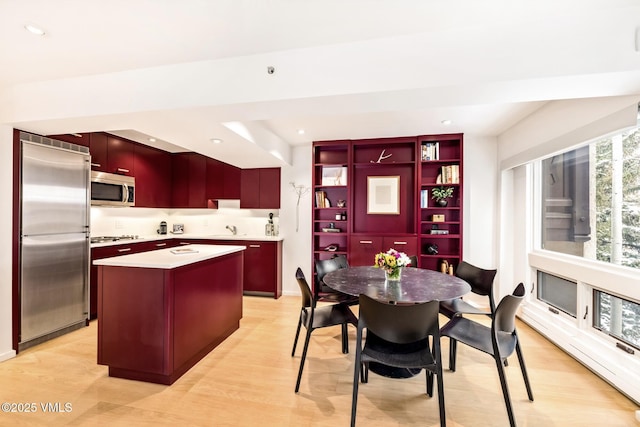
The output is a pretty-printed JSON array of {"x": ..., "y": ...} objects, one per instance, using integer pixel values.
[{"x": 162, "y": 311}]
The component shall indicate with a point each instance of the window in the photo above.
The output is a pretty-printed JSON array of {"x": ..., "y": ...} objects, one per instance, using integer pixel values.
[
  {"x": 591, "y": 200},
  {"x": 557, "y": 292},
  {"x": 617, "y": 317}
]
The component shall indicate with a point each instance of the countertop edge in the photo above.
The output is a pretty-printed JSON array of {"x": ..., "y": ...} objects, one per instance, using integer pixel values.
[
  {"x": 152, "y": 238},
  {"x": 164, "y": 258}
]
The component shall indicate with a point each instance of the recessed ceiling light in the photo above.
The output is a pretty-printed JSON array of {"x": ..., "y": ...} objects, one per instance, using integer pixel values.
[
  {"x": 34, "y": 30},
  {"x": 300, "y": 131},
  {"x": 446, "y": 122},
  {"x": 216, "y": 140},
  {"x": 152, "y": 140}
]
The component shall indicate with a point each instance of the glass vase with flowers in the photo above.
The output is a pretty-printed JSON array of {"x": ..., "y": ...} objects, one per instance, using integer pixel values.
[{"x": 392, "y": 263}]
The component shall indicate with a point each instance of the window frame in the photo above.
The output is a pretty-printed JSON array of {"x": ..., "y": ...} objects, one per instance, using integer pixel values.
[{"x": 590, "y": 275}]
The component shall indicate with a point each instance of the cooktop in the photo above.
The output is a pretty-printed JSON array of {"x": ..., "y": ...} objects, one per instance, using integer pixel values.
[{"x": 104, "y": 239}]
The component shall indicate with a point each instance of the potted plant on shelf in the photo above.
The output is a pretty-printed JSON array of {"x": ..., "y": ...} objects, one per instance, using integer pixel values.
[{"x": 441, "y": 194}]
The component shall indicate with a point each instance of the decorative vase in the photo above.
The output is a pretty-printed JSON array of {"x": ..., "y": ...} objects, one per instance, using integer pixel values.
[
  {"x": 442, "y": 202},
  {"x": 394, "y": 275}
]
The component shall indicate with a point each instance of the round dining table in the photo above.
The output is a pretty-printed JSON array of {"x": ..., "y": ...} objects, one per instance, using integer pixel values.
[{"x": 416, "y": 285}]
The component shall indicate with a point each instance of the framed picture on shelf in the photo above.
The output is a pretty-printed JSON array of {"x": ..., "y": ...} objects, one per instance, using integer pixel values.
[
  {"x": 334, "y": 176},
  {"x": 383, "y": 195}
]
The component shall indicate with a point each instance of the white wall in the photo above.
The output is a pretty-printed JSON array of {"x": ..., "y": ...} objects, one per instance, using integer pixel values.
[
  {"x": 297, "y": 245},
  {"x": 6, "y": 237},
  {"x": 480, "y": 201}
]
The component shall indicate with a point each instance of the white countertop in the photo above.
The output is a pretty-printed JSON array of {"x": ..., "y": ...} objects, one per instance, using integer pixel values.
[
  {"x": 156, "y": 237},
  {"x": 167, "y": 259}
]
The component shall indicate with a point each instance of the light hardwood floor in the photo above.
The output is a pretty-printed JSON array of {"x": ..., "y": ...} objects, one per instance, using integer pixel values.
[{"x": 249, "y": 380}]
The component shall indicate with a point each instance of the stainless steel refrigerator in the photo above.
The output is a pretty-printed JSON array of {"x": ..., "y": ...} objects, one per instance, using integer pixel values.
[{"x": 54, "y": 243}]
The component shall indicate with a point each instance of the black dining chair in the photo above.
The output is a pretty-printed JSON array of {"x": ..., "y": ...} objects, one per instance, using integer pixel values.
[
  {"x": 481, "y": 282},
  {"x": 398, "y": 336},
  {"x": 414, "y": 261},
  {"x": 499, "y": 341},
  {"x": 313, "y": 317},
  {"x": 322, "y": 292}
]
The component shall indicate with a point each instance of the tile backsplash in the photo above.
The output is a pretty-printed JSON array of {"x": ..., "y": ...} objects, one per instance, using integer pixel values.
[{"x": 106, "y": 221}]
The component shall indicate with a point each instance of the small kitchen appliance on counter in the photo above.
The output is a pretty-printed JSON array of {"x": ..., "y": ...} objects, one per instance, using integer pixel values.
[
  {"x": 178, "y": 228},
  {"x": 270, "y": 229},
  {"x": 163, "y": 227}
]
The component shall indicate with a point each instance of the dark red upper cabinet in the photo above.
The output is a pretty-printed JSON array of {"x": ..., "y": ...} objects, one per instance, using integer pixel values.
[
  {"x": 215, "y": 179},
  {"x": 189, "y": 180},
  {"x": 232, "y": 179},
  {"x": 260, "y": 188},
  {"x": 120, "y": 156},
  {"x": 98, "y": 150},
  {"x": 250, "y": 189},
  {"x": 153, "y": 177},
  {"x": 270, "y": 188}
]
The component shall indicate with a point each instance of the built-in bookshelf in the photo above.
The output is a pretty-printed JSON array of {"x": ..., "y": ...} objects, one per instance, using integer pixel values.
[
  {"x": 440, "y": 226},
  {"x": 331, "y": 209},
  {"x": 346, "y": 222}
]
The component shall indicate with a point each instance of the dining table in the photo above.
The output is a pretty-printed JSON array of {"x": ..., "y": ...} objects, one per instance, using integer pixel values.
[{"x": 416, "y": 285}]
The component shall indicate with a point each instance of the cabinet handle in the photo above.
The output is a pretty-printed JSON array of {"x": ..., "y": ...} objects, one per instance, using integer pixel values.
[
  {"x": 254, "y": 246},
  {"x": 95, "y": 165},
  {"x": 158, "y": 245},
  {"x": 124, "y": 250},
  {"x": 399, "y": 243},
  {"x": 366, "y": 242},
  {"x": 123, "y": 170},
  {"x": 184, "y": 243}
]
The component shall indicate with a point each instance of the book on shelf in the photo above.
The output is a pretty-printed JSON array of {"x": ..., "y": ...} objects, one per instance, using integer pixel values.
[
  {"x": 321, "y": 199},
  {"x": 424, "y": 198},
  {"x": 449, "y": 175},
  {"x": 438, "y": 231},
  {"x": 331, "y": 230},
  {"x": 430, "y": 151}
]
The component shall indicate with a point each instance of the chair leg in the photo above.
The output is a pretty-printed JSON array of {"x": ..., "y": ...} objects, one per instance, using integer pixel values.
[
  {"x": 443, "y": 417},
  {"x": 429, "y": 382},
  {"x": 304, "y": 356},
  {"x": 364, "y": 372},
  {"x": 295, "y": 341},
  {"x": 505, "y": 391},
  {"x": 453, "y": 347},
  {"x": 437, "y": 356},
  {"x": 345, "y": 339},
  {"x": 357, "y": 372},
  {"x": 524, "y": 371}
]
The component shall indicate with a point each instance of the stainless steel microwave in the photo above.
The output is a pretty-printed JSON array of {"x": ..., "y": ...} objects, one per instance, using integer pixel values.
[{"x": 110, "y": 189}]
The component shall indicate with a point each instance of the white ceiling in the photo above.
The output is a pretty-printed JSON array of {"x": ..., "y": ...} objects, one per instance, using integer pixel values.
[{"x": 187, "y": 71}]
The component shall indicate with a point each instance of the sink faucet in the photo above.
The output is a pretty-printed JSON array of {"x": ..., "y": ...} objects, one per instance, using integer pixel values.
[{"x": 232, "y": 228}]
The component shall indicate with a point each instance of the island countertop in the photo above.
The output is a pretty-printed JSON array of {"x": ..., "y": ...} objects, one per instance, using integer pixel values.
[
  {"x": 190, "y": 236},
  {"x": 171, "y": 257}
]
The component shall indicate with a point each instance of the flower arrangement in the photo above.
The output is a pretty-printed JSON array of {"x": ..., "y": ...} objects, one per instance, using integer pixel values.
[{"x": 391, "y": 262}]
